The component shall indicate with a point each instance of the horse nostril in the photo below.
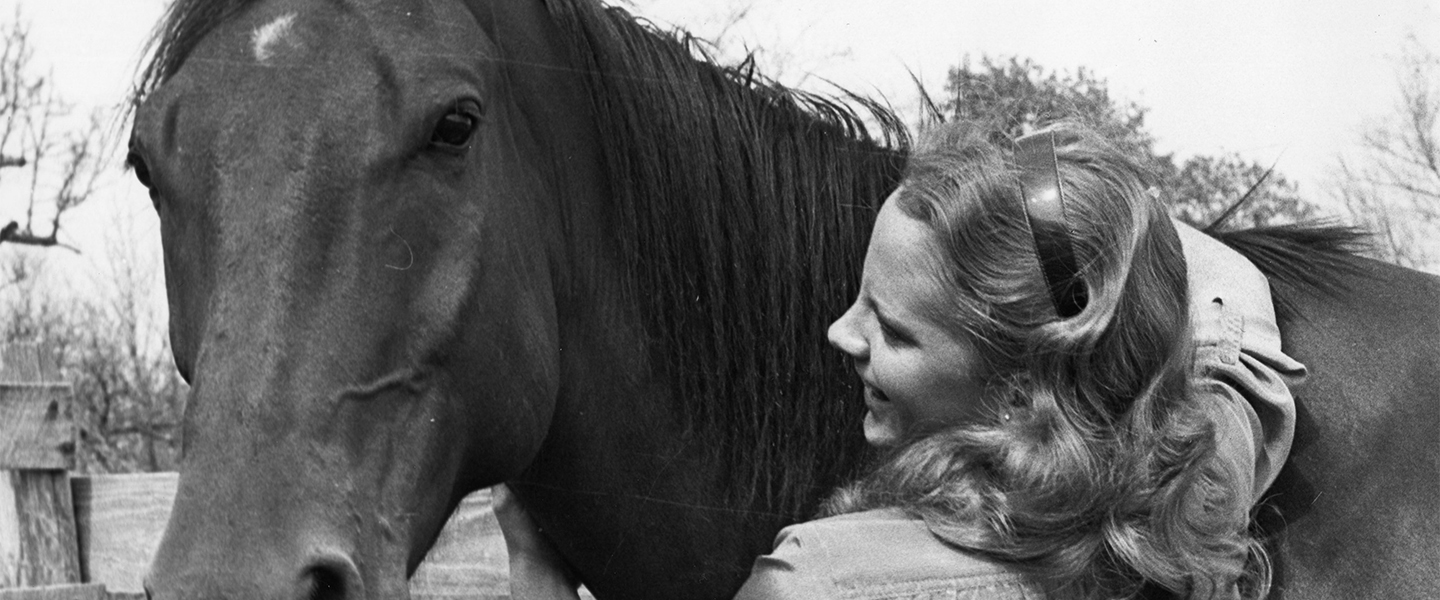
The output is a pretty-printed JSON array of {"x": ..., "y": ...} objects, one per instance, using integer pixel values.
[{"x": 329, "y": 580}]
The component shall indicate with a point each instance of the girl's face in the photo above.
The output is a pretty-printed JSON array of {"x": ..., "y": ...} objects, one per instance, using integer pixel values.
[{"x": 919, "y": 376}]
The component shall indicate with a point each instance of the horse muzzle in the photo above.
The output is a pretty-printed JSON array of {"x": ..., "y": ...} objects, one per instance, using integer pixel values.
[{"x": 318, "y": 576}]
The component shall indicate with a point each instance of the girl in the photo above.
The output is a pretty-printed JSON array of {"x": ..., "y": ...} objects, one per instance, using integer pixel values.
[{"x": 1064, "y": 413}]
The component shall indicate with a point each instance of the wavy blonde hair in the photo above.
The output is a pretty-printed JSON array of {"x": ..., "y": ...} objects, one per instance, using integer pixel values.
[{"x": 1097, "y": 475}]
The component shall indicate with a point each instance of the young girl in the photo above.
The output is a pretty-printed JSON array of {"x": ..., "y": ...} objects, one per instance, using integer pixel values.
[{"x": 1065, "y": 413}]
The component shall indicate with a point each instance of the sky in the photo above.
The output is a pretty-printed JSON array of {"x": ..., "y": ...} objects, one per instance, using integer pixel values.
[
  {"x": 1277, "y": 80},
  {"x": 1285, "y": 82}
]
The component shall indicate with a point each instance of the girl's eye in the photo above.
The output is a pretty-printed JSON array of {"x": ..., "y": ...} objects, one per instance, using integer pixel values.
[{"x": 893, "y": 336}]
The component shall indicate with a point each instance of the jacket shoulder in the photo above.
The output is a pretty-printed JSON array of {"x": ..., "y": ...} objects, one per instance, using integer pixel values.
[{"x": 877, "y": 554}]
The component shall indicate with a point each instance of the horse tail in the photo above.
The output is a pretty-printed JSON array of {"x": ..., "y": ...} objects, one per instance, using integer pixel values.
[{"x": 1304, "y": 259}]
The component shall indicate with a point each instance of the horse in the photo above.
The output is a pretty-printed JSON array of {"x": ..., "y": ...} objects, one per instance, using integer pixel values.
[{"x": 414, "y": 248}]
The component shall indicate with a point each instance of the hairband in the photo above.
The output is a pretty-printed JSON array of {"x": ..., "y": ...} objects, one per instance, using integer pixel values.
[{"x": 1045, "y": 215}]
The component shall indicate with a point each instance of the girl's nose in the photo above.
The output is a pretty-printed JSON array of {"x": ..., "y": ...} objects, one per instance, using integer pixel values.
[{"x": 846, "y": 335}]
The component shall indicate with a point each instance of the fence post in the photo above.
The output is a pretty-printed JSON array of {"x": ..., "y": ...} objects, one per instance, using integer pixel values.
[{"x": 37, "y": 447}]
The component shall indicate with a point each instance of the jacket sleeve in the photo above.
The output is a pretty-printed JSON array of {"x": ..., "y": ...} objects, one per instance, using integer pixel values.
[
  {"x": 1241, "y": 375},
  {"x": 777, "y": 576}
]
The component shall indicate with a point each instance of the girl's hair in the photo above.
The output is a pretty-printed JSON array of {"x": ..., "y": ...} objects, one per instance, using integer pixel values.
[{"x": 1097, "y": 474}]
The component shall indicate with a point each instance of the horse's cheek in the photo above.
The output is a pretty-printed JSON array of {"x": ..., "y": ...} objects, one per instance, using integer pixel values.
[{"x": 510, "y": 377}]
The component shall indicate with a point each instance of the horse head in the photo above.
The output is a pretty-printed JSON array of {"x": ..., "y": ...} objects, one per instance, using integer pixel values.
[
  {"x": 418, "y": 247},
  {"x": 360, "y": 250}
]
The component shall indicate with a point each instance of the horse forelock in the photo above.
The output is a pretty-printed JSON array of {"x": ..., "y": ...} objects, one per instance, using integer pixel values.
[
  {"x": 742, "y": 208},
  {"x": 185, "y": 23}
]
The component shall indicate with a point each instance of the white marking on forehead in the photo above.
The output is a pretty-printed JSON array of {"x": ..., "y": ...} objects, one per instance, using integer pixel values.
[{"x": 267, "y": 36}]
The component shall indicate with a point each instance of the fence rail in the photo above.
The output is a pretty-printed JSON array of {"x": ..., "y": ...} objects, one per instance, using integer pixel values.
[{"x": 120, "y": 519}]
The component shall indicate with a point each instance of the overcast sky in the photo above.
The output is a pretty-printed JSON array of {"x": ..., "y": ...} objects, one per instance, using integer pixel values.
[{"x": 1290, "y": 81}]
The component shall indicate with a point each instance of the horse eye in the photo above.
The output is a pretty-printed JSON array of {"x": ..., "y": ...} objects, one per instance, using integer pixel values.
[
  {"x": 454, "y": 130},
  {"x": 142, "y": 171}
]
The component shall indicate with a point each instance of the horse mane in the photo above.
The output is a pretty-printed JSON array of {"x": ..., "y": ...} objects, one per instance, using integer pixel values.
[
  {"x": 1305, "y": 259},
  {"x": 743, "y": 209}
]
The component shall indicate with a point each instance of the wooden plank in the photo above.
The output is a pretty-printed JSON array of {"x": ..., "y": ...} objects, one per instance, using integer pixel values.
[
  {"x": 28, "y": 363},
  {"x": 468, "y": 559},
  {"x": 37, "y": 444},
  {"x": 37, "y": 530},
  {"x": 80, "y": 591},
  {"x": 36, "y": 431},
  {"x": 120, "y": 519}
]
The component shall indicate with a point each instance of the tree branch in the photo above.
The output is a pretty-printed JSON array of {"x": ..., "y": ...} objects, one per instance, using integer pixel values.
[{"x": 11, "y": 233}]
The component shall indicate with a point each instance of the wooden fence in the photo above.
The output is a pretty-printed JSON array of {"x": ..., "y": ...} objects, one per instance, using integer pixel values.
[
  {"x": 38, "y": 549},
  {"x": 119, "y": 520},
  {"x": 66, "y": 537}
]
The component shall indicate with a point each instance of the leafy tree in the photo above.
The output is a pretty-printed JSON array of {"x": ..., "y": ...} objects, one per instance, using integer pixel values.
[
  {"x": 1393, "y": 186},
  {"x": 1206, "y": 186},
  {"x": 1024, "y": 95}
]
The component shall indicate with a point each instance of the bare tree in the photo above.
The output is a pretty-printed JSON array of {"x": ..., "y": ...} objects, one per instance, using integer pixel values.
[
  {"x": 57, "y": 170},
  {"x": 1393, "y": 186},
  {"x": 127, "y": 393},
  {"x": 111, "y": 347}
]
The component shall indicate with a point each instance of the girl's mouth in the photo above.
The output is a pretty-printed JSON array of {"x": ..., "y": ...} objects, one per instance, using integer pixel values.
[{"x": 873, "y": 394}]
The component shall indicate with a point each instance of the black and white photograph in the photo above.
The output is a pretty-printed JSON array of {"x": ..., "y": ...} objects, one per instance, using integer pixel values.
[{"x": 742, "y": 299}]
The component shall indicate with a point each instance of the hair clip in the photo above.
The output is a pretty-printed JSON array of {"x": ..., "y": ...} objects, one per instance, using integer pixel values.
[{"x": 1045, "y": 216}]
